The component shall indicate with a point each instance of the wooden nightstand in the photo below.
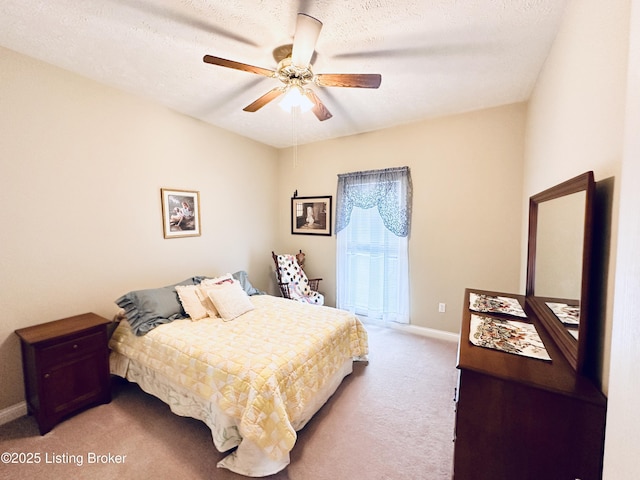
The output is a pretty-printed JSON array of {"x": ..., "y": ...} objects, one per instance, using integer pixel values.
[{"x": 66, "y": 367}]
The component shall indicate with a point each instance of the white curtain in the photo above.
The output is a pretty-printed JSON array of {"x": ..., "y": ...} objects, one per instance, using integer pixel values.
[{"x": 372, "y": 224}]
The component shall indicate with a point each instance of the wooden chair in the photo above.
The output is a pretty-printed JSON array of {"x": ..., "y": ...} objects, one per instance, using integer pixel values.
[{"x": 293, "y": 281}]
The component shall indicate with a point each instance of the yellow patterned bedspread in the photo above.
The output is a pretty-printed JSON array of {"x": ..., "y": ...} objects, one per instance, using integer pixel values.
[{"x": 262, "y": 368}]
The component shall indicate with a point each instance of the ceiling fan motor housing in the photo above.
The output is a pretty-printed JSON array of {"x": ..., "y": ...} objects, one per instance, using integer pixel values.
[{"x": 289, "y": 74}]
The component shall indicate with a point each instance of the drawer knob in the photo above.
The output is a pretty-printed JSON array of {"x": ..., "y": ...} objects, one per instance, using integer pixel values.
[
  {"x": 75, "y": 346},
  {"x": 46, "y": 375}
]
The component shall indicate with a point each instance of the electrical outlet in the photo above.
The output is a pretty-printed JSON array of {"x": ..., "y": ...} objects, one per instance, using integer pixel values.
[{"x": 442, "y": 307}]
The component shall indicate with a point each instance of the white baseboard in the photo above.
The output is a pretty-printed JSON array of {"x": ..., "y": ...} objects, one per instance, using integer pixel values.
[
  {"x": 11, "y": 413},
  {"x": 424, "y": 331},
  {"x": 427, "y": 332}
]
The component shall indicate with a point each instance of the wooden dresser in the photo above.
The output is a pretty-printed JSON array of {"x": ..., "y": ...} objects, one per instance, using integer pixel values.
[
  {"x": 66, "y": 367},
  {"x": 523, "y": 418}
]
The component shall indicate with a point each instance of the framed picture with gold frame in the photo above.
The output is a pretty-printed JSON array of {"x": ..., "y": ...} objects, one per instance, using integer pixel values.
[
  {"x": 180, "y": 213},
  {"x": 311, "y": 215}
]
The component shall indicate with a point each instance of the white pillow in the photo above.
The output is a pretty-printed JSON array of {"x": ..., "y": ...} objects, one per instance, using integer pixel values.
[
  {"x": 203, "y": 288},
  {"x": 191, "y": 302},
  {"x": 230, "y": 299}
]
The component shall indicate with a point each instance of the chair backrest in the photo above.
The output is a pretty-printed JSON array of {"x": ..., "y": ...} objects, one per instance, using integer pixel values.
[
  {"x": 275, "y": 261},
  {"x": 284, "y": 289}
]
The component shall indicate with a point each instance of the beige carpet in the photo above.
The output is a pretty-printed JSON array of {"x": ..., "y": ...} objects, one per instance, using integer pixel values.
[{"x": 390, "y": 419}]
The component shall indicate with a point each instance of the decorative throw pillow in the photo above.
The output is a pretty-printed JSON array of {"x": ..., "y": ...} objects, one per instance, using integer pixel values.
[
  {"x": 230, "y": 299},
  {"x": 204, "y": 287},
  {"x": 216, "y": 280},
  {"x": 191, "y": 302}
]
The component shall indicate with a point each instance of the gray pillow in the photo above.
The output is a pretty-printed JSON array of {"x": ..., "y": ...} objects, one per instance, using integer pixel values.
[
  {"x": 243, "y": 278},
  {"x": 146, "y": 309}
]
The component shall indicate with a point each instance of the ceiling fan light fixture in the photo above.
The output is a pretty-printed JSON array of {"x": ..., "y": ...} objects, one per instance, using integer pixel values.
[
  {"x": 304, "y": 40},
  {"x": 295, "y": 97}
]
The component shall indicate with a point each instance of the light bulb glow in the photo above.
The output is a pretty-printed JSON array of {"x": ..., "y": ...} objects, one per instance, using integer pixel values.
[{"x": 295, "y": 98}]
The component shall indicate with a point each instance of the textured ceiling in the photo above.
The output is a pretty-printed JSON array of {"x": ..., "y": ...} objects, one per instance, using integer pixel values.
[{"x": 436, "y": 57}]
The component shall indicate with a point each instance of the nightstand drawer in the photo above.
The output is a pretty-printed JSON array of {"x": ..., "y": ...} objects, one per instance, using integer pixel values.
[{"x": 74, "y": 348}]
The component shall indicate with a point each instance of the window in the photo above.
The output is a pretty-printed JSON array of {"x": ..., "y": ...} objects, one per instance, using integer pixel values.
[{"x": 372, "y": 225}]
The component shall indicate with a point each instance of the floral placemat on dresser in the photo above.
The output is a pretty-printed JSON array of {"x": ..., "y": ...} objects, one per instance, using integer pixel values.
[
  {"x": 507, "y": 336},
  {"x": 494, "y": 304},
  {"x": 568, "y": 314}
]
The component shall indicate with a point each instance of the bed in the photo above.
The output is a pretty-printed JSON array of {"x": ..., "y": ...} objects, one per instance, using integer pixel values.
[{"x": 254, "y": 379}]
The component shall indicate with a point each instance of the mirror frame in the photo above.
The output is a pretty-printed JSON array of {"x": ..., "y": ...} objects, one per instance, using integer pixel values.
[{"x": 573, "y": 350}]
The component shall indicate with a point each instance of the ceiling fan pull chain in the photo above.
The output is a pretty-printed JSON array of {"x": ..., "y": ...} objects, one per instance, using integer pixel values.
[{"x": 295, "y": 111}]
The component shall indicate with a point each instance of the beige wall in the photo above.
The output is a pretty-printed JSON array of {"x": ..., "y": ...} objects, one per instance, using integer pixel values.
[
  {"x": 467, "y": 186},
  {"x": 623, "y": 420},
  {"x": 576, "y": 116},
  {"x": 81, "y": 167}
]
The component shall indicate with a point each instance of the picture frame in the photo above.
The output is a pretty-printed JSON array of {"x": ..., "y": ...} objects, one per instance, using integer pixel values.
[
  {"x": 311, "y": 215},
  {"x": 180, "y": 213}
]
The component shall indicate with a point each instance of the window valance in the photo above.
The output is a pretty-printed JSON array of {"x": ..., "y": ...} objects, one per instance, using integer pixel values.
[{"x": 389, "y": 189}]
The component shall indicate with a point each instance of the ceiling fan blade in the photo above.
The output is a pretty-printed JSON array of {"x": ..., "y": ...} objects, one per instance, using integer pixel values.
[
  {"x": 264, "y": 99},
  {"x": 358, "y": 80},
  {"x": 318, "y": 108},
  {"x": 304, "y": 40},
  {"x": 238, "y": 66}
]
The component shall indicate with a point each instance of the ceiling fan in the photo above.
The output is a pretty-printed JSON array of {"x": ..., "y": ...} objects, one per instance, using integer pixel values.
[{"x": 294, "y": 71}]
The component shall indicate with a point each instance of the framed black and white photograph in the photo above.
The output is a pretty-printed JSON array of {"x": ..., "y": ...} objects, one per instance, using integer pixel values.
[
  {"x": 311, "y": 215},
  {"x": 180, "y": 213}
]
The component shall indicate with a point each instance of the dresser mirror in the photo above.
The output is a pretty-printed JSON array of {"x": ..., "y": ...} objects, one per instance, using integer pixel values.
[{"x": 559, "y": 252}]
